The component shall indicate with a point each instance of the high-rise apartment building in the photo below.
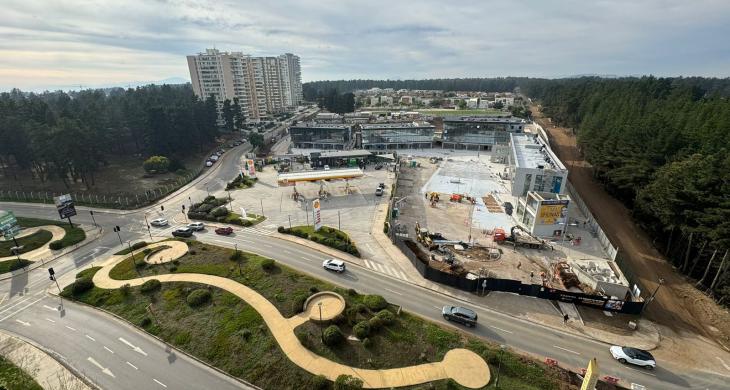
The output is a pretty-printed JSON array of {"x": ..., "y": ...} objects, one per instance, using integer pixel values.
[{"x": 262, "y": 85}]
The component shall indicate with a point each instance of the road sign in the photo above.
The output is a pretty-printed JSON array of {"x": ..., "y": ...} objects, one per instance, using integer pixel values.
[{"x": 8, "y": 225}]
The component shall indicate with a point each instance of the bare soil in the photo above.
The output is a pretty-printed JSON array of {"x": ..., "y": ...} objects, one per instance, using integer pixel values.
[{"x": 678, "y": 305}]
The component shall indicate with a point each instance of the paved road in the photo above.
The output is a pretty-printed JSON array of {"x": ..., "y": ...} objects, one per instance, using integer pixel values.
[{"x": 23, "y": 301}]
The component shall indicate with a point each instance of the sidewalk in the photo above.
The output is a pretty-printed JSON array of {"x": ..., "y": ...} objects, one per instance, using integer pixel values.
[{"x": 41, "y": 366}]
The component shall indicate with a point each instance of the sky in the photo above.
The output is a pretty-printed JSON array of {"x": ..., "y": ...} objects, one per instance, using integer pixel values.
[{"x": 71, "y": 43}]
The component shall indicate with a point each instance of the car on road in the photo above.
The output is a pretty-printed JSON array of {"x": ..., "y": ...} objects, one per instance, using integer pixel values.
[
  {"x": 460, "y": 314},
  {"x": 378, "y": 191},
  {"x": 183, "y": 232},
  {"x": 381, "y": 185},
  {"x": 336, "y": 265},
  {"x": 635, "y": 356},
  {"x": 159, "y": 222},
  {"x": 224, "y": 231},
  {"x": 196, "y": 226},
  {"x": 326, "y": 167}
]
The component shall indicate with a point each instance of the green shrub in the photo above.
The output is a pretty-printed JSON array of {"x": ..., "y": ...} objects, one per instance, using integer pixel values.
[
  {"x": 280, "y": 229},
  {"x": 387, "y": 316},
  {"x": 145, "y": 321},
  {"x": 245, "y": 333},
  {"x": 346, "y": 382},
  {"x": 376, "y": 323},
  {"x": 298, "y": 303},
  {"x": 55, "y": 245},
  {"x": 268, "y": 264},
  {"x": 333, "y": 335},
  {"x": 361, "y": 329},
  {"x": 313, "y": 289},
  {"x": 81, "y": 286},
  {"x": 198, "y": 297},
  {"x": 319, "y": 382},
  {"x": 237, "y": 255},
  {"x": 315, "y": 238},
  {"x": 339, "y": 319},
  {"x": 209, "y": 199},
  {"x": 150, "y": 286},
  {"x": 361, "y": 308},
  {"x": 156, "y": 164},
  {"x": 375, "y": 302},
  {"x": 385, "y": 227},
  {"x": 352, "y": 292},
  {"x": 367, "y": 343},
  {"x": 220, "y": 211},
  {"x": 125, "y": 290}
]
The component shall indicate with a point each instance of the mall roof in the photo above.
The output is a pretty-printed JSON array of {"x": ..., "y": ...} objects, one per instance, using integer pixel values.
[{"x": 530, "y": 151}]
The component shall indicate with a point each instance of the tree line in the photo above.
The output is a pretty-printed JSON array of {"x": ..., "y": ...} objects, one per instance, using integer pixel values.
[
  {"x": 661, "y": 146},
  {"x": 70, "y": 135},
  {"x": 500, "y": 84},
  {"x": 334, "y": 101}
]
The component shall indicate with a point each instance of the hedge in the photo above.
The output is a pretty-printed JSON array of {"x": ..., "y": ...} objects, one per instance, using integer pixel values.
[
  {"x": 333, "y": 335},
  {"x": 375, "y": 302},
  {"x": 198, "y": 297},
  {"x": 81, "y": 286},
  {"x": 150, "y": 286},
  {"x": 362, "y": 329}
]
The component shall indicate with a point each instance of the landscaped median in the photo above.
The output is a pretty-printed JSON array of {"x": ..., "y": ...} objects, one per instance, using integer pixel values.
[
  {"x": 326, "y": 235},
  {"x": 246, "y": 315},
  {"x": 216, "y": 210}
]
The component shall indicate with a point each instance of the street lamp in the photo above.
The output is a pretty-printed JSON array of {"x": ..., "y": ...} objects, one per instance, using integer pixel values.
[
  {"x": 499, "y": 364},
  {"x": 651, "y": 298},
  {"x": 321, "y": 331}
]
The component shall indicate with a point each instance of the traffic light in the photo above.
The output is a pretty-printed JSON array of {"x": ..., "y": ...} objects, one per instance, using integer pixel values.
[{"x": 51, "y": 274}]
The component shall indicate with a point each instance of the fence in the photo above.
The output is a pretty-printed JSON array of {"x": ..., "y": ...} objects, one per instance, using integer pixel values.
[
  {"x": 594, "y": 226},
  {"x": 116, "y": 200}
]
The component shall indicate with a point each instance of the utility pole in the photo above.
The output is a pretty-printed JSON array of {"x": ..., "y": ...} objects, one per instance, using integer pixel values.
[
  {"x": 134, "y": 261},
  {"x": 92, "y": 217},
  {"x": 651, "y": 298}
]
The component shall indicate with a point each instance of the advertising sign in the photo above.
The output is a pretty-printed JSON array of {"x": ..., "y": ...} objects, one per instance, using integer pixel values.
[
  {"x": 65, "y": 206},
  {"x": 316, "y": 216},
  {"x": 553, "y": 212},
  {"x": 9, "y": 227},
  {"x": 251, "y": 168},
  {"x": 591, "y": 377}
]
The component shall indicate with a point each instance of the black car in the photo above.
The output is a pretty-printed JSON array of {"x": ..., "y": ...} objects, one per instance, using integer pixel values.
[
  {"x": 183, "y": 232},
  {"x": 460, "y": 314}
]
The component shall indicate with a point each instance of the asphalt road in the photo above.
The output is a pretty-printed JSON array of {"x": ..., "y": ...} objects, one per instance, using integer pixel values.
[{"x": 27, "y": 310}]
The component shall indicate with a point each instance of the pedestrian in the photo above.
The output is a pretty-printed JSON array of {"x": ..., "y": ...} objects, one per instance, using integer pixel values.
[
  {"x": 532, "y": 275},
  {"x": 565, "y": 319}
]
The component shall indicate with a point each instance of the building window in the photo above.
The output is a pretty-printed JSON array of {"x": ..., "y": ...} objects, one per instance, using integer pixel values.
[{"x": 526, "y": 186}]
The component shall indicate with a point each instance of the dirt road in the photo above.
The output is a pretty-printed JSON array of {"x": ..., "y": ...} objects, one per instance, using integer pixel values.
[{"x": 678, "y": 304}]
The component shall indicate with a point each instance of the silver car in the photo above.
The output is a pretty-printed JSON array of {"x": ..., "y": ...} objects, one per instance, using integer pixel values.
[
  {"x": 159, "y": 222},
  {"x": 196, "y": 226}
]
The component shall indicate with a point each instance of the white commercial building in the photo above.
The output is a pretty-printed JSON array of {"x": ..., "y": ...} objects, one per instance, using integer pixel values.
[
  {"x": 534, "y": 167},
  {"x": 543, "y": 214},
  {"x": 261, "y": 85}
]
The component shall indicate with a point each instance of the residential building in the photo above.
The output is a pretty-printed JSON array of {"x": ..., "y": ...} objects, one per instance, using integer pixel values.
[
  {"x": 315, "y": 135},
  {"x": 262, "y": 85},
  {"x": 404, "y": 135},
  {"x": 479, "y": 132},
  {"x": 534, "y": 167}
]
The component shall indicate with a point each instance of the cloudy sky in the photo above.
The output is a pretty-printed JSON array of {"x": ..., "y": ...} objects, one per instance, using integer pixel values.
[{"x": 50, "y": 44}]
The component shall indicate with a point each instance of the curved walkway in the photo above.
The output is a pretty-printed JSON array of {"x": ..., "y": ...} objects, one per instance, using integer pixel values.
[
  {"x": 464, "y": 366},
  {"x": 42, "y": 252}
]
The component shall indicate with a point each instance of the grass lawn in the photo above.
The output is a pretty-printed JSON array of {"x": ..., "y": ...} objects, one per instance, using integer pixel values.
[
  {"x": 29, "y": 243},
  {"x": 13, "y": 377},
  {"x": 12, "y": 265},
  {"x": 73, "y": 235},
  {"x": 326, "y": 235},
  {"x": 230, "y": 335}
]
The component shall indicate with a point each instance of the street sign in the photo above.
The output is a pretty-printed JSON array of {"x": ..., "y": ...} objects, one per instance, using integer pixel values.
[
  {"x": 9, "y": 227},
  {"x": 65, "y": 206}
]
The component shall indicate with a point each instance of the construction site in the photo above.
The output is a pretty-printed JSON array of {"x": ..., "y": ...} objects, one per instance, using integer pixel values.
[{"x": 462, "y": 215}]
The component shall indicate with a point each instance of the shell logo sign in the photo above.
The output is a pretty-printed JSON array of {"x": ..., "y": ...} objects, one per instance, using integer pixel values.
[{"x": 316, "y": 216}]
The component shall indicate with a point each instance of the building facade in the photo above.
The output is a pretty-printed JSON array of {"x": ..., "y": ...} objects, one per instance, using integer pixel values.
[
  {"x": 385, "y": 136},
  {"x": 262, "y": 85},
  {"x": 544, "y": 214},
  {"x": 534, "y": 167},
  {"x": 325, "y": 136},
  {"x": 479, "y": 132}
]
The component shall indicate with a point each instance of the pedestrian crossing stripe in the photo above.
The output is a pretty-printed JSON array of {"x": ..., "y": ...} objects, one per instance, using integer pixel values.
[{"x": 385, "y": 269}]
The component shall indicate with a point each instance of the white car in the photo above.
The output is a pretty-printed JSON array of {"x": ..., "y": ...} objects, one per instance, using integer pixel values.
[
  {"x": 633, "y": 356},
  {"x": 213, "y": 158},
  {"x": 326, "y": 167},
  {"x": 159, "y": 222},
  {"x": 334, "y": 265},
  {"x": 209, "y": 163},
  {"x": 196, "y": 226}
]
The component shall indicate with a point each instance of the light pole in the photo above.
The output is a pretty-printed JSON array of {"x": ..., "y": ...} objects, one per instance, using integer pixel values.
[
  {"x": 262, "y": 207},
  {"x": 289, "y": 221},
  {"x": 230, "y": 202},
  {"x": 134, "y": 261},
  {"x": 339, "y": 225},
  {"x": 651, "y": 298},
  {"x": 499, "y": 365},
  {"x": 191, "y": 201},
  {"x": 92, "y": 217},
  {"x": 206, "y": 188}
]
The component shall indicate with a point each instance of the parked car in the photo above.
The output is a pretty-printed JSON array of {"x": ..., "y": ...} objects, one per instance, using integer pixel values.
[
  {"x": 634, "y": 356},
  {"x": 381, "y": 185},
  {"x": 183, "y": 232},
  {"x": 334, "y": 265},
  {"x": 224, "y": 231},
  {"x": 326, "y": 167},
  {"x": 209, "y": 163},
  {"x": 213, "y": 158},
  {"x": 196, "y": 226},
  {"x": 378, "y": 167},
  {"x": 159, "y": 222},
  {"x": 378, "y": 191},
  {"x": 460, "y": 314}
]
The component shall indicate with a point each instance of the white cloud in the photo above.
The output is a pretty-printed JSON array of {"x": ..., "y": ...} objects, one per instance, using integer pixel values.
[{"x": 48, "y": 43}]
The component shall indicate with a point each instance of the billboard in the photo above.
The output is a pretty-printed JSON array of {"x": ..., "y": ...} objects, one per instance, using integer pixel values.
[
  {"x": 249, "y": 168},
  {"x": 65, "y": 206},
  {"x": 9, "y": 227},
  {"x": 553, "y": 212},
  {"x": 591, "y": 377},
  {"x": 316, "y": 216}
]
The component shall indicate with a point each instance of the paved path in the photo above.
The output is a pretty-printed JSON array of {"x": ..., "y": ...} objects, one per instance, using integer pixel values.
[
  {"x": 43, "y": 252},
  {"x": 461, "y": 365}
]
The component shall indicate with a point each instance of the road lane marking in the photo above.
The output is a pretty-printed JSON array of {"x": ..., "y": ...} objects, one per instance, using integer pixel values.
[
  {"x": 13, "y": 305},
  {"x": 68, "y": 327},
  {"x": 102, "y": 368},
  {"x": 90, "y": 338},
  {"x": 23, "y": 322},
  {"x": 105, "y": 347},
  {"x": 159, "y": 383},
  {"x": 500, "y": 329},
  {"x": 4, "y": 298},
  {"x": 50, "y": 308},
  {"x": 132, "y": 365},
  {"x": 22, "y": 308},
  {"x": 50, "y": 320},
  {"x": 135, "y": 348},
  {"x": 394, "y": 292},
  {"x": 566, "y": 350},
  {"x": 723, "y": 363}
]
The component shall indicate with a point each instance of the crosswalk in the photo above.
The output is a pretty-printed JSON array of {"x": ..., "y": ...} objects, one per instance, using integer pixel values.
[{"x": 385, "y": 269}]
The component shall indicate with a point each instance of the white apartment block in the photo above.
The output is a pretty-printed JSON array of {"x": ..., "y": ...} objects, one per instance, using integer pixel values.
[{"x": 262, "y": 85}]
